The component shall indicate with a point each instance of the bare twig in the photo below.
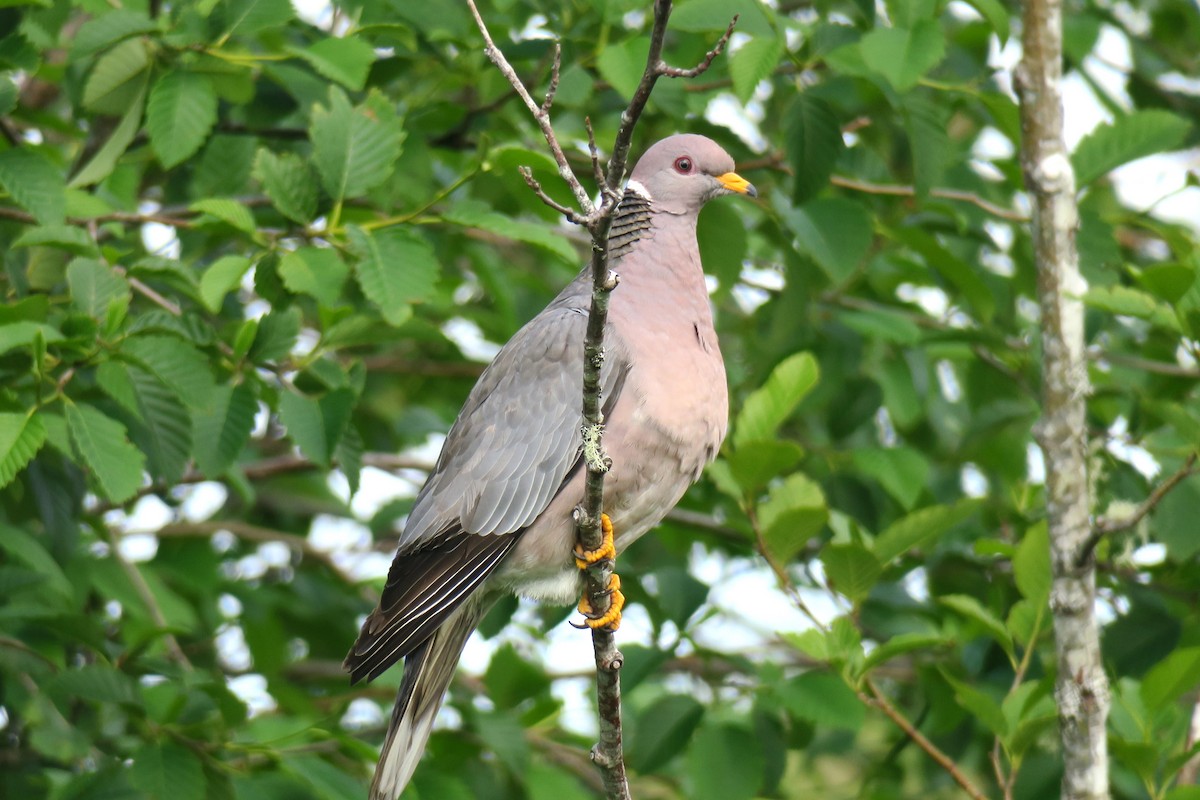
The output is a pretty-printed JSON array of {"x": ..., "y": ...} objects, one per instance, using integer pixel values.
[
  {"x": 1105, "y": 526},
  {"x": 138, "y": 581},
  {"x": 900, "y": 190},
  {"x": 875, "y": 698}
]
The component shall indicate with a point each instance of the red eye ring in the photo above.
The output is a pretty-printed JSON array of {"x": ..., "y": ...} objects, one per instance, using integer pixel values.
[{"x": 683, "y": 165}]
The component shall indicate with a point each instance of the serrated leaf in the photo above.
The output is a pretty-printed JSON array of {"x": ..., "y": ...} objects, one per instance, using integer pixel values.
[
  {"x": 230, "y": 212},
  {"x": 21, "y": 436},
  {"x": 117, "y": 77},
  {"x": 662, "y": 731},
  {"x": 753, "y": 62},
  {"x": 1031, "y": 565},
  {"x": 979, "y": 705},
  {"x": 105, "y": 159},
  {"x": 248, "y": 17},
  {"x": 900, "y": 644},
  {"x": 180, "y": 114},
  {"x": 814, "y": 144},
  {"x": 8, "y": 95},
  {"x": 1171, "y": 678},
  {"x": 177, "y": 364},
  {"x": 794, "y": 512},
  {"x": 850, "y": 569},
  {"x": 102, "y": 444},
  {"x": 107, "y": 29},
  {"x": 28, "y": 549},
  {"x": 929, "y": 142},
  {"x": 316, "y": 271},
  {"x": 221, "y": 277},
  {"x": 289, "y": 183},
  {"x": 767, "y": 407},
  {"x": 349, "y": 455},
  {"x": 474, "y": 214},
  {"x": 95, "y": 286},
  {"x": 920, "y": 527},
  {"x": 903, "y": 55},
  {"x": 1133, "y": 136},
  {"x": 24, "y": 333},
  {"x": 971, "y": 608},
  {"x": 900, "y": 470},
  {"x": 167, "y": 771},
  {"x": 163, "y": 428},
  {"x": 353, "y": 150},
  {"x": 622, "y": 64},
  {"x": 346, "y": 60},
  {"x": 277, "y": 332},
  {"x": 221, "y": 433},
  {"x": 1132, "y": 302},
  {"x": 316, "y": 426},
  {"x": 35, "y": 184},
  {"x": 835, "y": 232},
  {"x": 65, "y": 237},
  {"x": 754, "y": 464},
  {"x": 823, "y": 699},
  {"x": 95, "y": 683},
  {"x": 396, "y": 267}
]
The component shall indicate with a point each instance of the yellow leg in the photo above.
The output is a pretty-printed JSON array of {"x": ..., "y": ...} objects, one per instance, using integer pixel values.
[
  {"x": 585, "y": 558},
  {"x": 610, "y": 620}
]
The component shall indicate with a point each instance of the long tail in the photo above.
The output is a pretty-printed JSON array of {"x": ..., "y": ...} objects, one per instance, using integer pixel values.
[{"x": 428, "y": 671}]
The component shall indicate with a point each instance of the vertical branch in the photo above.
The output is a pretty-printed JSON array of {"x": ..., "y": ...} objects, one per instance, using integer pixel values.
[{"x": 1081, "y": 688}]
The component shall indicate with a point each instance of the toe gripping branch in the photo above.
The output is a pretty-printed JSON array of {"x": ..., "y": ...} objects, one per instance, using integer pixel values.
[{"x": 610, "y": 620}]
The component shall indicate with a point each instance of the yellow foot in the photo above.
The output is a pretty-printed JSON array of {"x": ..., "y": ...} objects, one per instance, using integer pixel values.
[
  {"x": 610, "y": 620},
  {"x": 586, "y": 558}
]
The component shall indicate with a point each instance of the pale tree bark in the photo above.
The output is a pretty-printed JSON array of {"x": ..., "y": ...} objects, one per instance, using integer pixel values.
[{"x": 1081, "y": 688}]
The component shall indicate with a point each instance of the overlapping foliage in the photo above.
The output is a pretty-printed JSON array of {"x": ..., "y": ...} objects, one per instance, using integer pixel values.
[{"x": 344, "y": 194}]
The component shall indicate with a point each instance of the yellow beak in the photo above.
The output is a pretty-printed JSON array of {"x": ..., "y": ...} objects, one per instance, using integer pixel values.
[{"x": 736, "y": 183}]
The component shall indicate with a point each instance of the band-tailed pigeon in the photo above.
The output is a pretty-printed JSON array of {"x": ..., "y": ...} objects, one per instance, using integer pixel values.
[{"x": 495, "y": 515}]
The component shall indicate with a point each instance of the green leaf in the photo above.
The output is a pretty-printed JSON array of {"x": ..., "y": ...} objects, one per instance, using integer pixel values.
[
  {"x": 108, "y": 29},
  {"x": 289, "y": 182},
  {"x": 823, "y": 699},
  {"x": 353, "y": 150},
  {"x": 1031, "y": 565},
  {"x": 95, "y": 683},
  {"x": 24, "y": 333},
  {"x": 753, "y": 62},
  {"x": 929, "y": 141},
  {"x": 1131, "y": 302},
  {"x": 102, "y": 444},
  {"x": 102, "y": 164},
  {"x": 346, "y": 60},
  {"x": 835, "y": 232},
  {"x": 396, "y": 267},
  {"x": 316, "y": 426},
  {"x": 167, "y": 771},
  {"x": 64, "y": 237},
  {"x": 900, "y": 644},
  {"x": 882, "y": 325},
  {"x": 29, "y": 549},
  {"x": 755, "y": 464},
  {"x": 903, "y": 55},
  {"x": 1133, "y": 136},
  {"x": 277, "y": 332},
  {"x": 850, "y": 569},
  {"x": 247, "y": 17},
  {"x": 970, "y": 608},
  {"x": 920, "y": 527},
  {"x": 814, "y": 145},
  {"x": 21, "y": 436},
  {"x": 230, "y": 212},
  {"x": 996, "y": 15},
  {"x": 95, "y": 286},
  {"x": 900, "y": 470},
  {"x": 725, "y": 763},
  {"x": 179, "y": 116},
  {"x": 704, "y": 16},
  {"x": 315, "y": 271},
  {"x": 473, "y": 214},
  {"x": 35, "y": 184},
  {"x": 329, "y": 782},
  {"x": 767, "y": 407},
  {"x": 793, "y": 513},
  {"x": 979, "y": 705},
  {"x": 163, "y": 427},
  {"x": 222, "y": 431},
  {"x": 1169, "y": 282},
  {"x": 176, "y": 363},
  {"x": 117, "y": 78},
  {"x": 221, "y": 277},
  {"x": 622, "y": 64},
  {"x": 1171, "y": 678}
]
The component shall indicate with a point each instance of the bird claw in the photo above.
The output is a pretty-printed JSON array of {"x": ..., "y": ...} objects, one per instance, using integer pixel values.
[
  {"x": 607, "y": 551},
  {"x": 609, "y": 620}
]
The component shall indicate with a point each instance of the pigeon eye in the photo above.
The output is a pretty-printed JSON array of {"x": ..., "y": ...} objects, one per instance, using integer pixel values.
[{"x": 683, "y": 165}]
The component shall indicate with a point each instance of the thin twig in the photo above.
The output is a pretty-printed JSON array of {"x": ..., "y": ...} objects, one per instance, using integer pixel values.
[
  {"x": 1105, "y": 526},
  {"x": 138, "y": 581},
  {"x": 877, "y": 699},
  {"x": 252, "y": 533},
  {"x": 900, "y": 190}
]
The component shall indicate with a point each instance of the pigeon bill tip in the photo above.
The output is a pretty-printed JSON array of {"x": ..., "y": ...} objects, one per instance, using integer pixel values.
[{"x": 736, "y": 183}]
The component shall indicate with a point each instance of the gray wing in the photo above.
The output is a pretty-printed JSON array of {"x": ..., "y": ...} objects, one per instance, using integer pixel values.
[{"x": 514, "y": 444}]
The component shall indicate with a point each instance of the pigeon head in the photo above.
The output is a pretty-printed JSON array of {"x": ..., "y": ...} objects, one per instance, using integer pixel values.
[{"x": 683, "y": 172}]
